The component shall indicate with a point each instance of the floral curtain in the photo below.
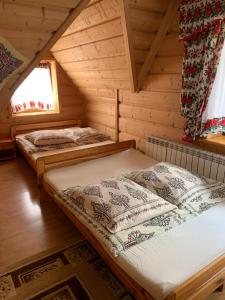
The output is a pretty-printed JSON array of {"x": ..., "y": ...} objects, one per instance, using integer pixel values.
[
  {"x": 202, "y": 24},
  {"x": 35, "y": 93}
]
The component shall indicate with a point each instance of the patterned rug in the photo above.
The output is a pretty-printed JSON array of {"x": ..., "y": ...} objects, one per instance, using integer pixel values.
[{"x": 73, "y": 273}]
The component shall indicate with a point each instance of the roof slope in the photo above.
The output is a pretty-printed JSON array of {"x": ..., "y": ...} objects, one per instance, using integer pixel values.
[
  {"x": 113, "y": 43},
  {"x": 32, "y": 27}
]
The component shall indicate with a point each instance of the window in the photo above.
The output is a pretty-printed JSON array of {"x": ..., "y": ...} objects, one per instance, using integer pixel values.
[
  {"x": 214, "y": 115},
  {"x": 38, "y": 92}
]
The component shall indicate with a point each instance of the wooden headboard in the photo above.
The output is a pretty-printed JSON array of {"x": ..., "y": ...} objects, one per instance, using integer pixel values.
[
  {"x": 80, "y": 154},
  {"x": 19, "y": 129}
]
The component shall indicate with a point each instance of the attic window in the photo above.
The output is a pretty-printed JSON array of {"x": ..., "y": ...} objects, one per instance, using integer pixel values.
[{"x": 38, "y": 92}]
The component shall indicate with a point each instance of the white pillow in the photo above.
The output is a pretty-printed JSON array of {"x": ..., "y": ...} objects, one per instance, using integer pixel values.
[
  {"x": 118, "y": 203},
  {"x": 48, "y": 137},
  {"x": 172, "y": 183}
]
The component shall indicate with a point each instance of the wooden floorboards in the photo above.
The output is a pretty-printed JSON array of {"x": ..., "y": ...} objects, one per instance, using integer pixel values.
[{"x": 28, "y": 227}]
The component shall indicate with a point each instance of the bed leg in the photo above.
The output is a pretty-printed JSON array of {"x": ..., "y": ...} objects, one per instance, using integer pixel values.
[
  {"x": 44, "y": 196},
  {"x": 221, "y": 288}
]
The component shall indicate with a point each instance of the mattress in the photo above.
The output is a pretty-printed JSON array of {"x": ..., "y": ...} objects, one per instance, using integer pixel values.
[
  {"x": 35, "y": 156},
  {"x": 95, "y": 170},
  {"x": 163, "y": 263}
]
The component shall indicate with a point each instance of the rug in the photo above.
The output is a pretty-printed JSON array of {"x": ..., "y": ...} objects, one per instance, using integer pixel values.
[{"x": 75, "y": 272}]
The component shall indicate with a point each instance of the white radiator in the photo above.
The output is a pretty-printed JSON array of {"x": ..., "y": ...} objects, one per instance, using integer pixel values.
[{"x": 198, "y": 161}]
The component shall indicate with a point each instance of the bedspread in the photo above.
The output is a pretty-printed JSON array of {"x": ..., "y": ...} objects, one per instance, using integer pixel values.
[
  {"x": 201, "y": 201},
  {"x": 81, "y": 136}
]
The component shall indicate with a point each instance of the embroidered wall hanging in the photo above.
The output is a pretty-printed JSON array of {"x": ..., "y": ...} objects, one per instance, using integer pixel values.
[
  {"x": 202, "y": 24},
  {"x": 11, "y": 61}
]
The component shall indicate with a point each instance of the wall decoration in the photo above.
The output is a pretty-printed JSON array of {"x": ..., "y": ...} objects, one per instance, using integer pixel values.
[{"x": 11, "y": 61}]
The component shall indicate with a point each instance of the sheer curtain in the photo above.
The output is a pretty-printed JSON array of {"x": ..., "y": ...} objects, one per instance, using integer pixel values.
[
  {"x": 213, "y": 118},
  {"x": 35, "y": 93}
]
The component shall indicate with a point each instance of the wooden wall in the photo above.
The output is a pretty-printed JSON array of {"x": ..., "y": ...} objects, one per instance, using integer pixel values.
[
  {"x": 92, "y": 49},
  {"x": 92, "y": 52},
  {"x": 156, "y": 109},
  {"x": 70, "y": 101},
  {"x": 29, "y": 26}
]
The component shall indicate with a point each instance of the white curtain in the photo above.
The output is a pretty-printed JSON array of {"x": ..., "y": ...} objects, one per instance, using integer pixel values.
[
  {"x": 214, "y": 115},
  {"x": 35, "y": 93}
]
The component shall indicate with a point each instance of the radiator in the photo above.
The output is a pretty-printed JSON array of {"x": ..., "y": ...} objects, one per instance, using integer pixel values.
[{"x": 197, "y": 161}]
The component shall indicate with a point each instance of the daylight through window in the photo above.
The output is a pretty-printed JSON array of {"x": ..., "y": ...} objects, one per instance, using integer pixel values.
[{"x": 36, "y": 93}]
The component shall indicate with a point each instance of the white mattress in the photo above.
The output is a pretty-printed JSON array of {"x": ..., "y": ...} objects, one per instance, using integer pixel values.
[
  {"x": 166, "y": 261},
  {"x": 35, "y": 156},
  {"x": 163, "y": 263},
  {"x": 98, "y": 169}
]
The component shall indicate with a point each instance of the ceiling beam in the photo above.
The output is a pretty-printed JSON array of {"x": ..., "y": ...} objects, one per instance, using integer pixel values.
[
  {"x": 128, "y": 40},
  {"x": 157, "y": 42},
  {"x": 55, "y": 36}
]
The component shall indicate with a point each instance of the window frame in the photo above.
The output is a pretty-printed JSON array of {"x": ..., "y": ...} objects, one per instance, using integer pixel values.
[{"x": 53, "y": 73}]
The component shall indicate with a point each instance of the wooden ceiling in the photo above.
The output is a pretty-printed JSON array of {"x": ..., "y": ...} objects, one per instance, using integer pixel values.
[
  {"x": 113, "y": 43},
  {"x": 32, "y": 27},
  {"x": 107, "y": 43}
]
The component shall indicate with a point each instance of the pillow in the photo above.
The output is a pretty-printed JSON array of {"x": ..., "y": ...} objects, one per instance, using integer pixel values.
[
  {"x": 118, "y": 203},
  {"x": 48, "y": 137},
  {"x": 172, "y": 183}
]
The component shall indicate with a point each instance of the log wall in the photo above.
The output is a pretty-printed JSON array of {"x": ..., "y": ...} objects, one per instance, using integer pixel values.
[{"x": 92, "y": 52}]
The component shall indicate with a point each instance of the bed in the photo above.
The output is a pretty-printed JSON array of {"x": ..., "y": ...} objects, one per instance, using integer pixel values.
[
  {"x": 187, "y": 262},
  {"x": 37, "y": 156}
]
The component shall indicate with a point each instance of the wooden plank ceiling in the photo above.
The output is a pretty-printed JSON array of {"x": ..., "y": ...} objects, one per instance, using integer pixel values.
[
  {"x": 29, "y": 24},
  {"x": 92, "y": 49},
  {"x": 113, "y": 43},
  {"x": 32, "y": 27}
]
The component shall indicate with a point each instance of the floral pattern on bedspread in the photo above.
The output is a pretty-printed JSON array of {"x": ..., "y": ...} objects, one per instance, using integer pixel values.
[
  {"x": 201, "y": 201},
  {"x": 171, "y": 182},
  {"x": 82, "y": 136}
]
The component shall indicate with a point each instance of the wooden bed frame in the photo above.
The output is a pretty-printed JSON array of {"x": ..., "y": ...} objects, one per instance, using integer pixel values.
[
  {"x": 49, "y": 160},
  {"x": 198, "y": 287},
  {"x": 81, "y": 154},
  {"x": 24, "y": 128}
]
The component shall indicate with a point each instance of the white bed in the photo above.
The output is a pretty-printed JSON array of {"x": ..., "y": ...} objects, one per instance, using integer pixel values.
[
  {"x": 163, "y": 263},
  {"x": 33, "y": 153},
  {"x": 34, "y": 156}
]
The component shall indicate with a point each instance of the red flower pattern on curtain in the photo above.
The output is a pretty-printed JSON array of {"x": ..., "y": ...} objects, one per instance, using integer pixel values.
[{"x": 202, "y": 24}]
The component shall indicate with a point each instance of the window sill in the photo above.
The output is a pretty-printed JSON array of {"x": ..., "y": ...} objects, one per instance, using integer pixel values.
[
  {"x": 214, "y": 144},
  {"x": 28, "y": 114}
]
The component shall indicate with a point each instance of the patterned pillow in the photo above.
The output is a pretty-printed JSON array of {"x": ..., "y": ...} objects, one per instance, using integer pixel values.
[
  {"x": 172, "y": 183},
  {"x": 48, "y": 137},
  {"x": 118, "y": 203}
]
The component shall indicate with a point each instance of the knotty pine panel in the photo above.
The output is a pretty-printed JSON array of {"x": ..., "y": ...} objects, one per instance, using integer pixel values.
[{"x": 97, "y": 64}]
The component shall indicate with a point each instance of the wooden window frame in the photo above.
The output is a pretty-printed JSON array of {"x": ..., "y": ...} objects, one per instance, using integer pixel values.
[{"x": 53, "y": 71}]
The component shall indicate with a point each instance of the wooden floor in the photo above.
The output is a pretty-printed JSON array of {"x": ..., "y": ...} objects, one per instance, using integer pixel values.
[{"x": 27, "y": 227}]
